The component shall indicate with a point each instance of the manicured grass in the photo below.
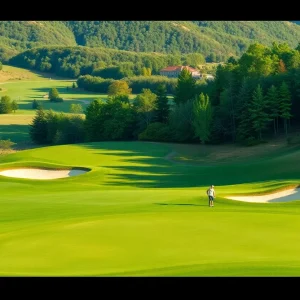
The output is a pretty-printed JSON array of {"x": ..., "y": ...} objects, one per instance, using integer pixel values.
[
  {"x": 26, "y": 91},
  {"x": 9, "y": 73},
  {"x": 138, "y": 214}
]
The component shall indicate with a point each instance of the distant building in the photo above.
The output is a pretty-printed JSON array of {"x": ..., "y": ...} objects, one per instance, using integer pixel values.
[{"x": 174, "y": 71}]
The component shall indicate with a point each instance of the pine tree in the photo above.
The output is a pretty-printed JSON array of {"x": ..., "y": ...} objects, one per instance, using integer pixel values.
[
  {"x": 163, "y": 108},
  {"x": 285, "y": 105},
  {"x": 38, "y": 128},
  {"x": 186, "y": 87},
  {"x": 244, "y": 127},
  {"x": 273, "y": 106},
  {"x": 257, "y": 109},
  {"x": 232, "y": 104},
  {"x": 202, "y": 117}
]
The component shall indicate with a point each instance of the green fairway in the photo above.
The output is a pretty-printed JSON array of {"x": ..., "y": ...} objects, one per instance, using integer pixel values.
[
  {"x": 24, "y": 86},
  {"x": 137, "y": 214},
  {"x": 26, "y": 91}
]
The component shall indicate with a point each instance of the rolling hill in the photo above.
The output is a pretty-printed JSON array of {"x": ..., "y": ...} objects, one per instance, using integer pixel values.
[{"x": 216, "y": 40}]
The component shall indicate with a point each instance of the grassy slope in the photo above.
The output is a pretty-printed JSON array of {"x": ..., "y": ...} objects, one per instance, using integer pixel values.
[
  {"x": 136, "y": 213},
  {"x": 25, "y": 86}
]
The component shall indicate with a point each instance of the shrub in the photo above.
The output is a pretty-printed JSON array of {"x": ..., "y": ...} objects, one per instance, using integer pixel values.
[
  {"x": 156, "y": 132},
  {"x": 6, "y": 144},
  {"x": 5, "y": 105}
]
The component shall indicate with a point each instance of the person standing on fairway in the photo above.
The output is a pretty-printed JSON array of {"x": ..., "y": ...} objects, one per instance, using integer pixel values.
[{"x": 211, "y": 195}]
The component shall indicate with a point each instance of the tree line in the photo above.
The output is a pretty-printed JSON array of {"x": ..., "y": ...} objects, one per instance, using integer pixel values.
[
  {"x": 251, "y": 98},
  {"x": 107, "y": 63},
  {"x": 137, "y": 83}
]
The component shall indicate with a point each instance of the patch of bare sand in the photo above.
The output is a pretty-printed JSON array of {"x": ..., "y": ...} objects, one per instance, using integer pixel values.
[
  {"x": 282, "y": 196},
  {"x": 42, "y": 174}
]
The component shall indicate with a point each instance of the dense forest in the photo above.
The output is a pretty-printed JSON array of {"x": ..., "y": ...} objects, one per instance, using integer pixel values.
[
  {"x": 215, "y": 40},
  {"x": 17, "y": 36},
  {"x": 222, "y": 38},
  {"x": 251, "y": 98}
]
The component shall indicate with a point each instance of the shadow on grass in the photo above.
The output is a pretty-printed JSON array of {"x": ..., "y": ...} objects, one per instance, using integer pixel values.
[
  {"x": 142, "y": 164},
  {"x": 16, "y": 133},
  {"x": 55, "y": 106},
  {"x": 68, "y": 90}
]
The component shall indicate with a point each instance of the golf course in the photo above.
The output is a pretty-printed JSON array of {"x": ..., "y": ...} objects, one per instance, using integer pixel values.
[
  {"x": 134, "y": 213},
  {"x": 133, "y": 208}
]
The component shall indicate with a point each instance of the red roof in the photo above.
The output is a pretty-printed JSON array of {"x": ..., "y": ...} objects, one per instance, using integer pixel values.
[{"x": 178, "y": 68}]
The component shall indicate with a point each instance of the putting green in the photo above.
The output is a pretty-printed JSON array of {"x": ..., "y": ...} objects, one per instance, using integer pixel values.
[{"x": 137, "y": 213}]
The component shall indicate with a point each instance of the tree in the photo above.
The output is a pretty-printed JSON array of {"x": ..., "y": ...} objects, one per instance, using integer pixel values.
[
  {"x": 145, "y": 105},
  {"x": 202, "y": 117},
  {"x": 121, "y": 98},
  {"x": 285, "y": 105},
  {"x": 162, "y": 104},
  {"x": 14, "y": 105},
  {"x": 273, "y": 106},
  {"x": 232, "y": 60},
  {"x": 38, "y": 128},
  {"x": 119, "y": 87},
  {"x": 94, "y": 120},
  {"x": 194, "y": 59},
  {"x": 186, "y": 87},
  {"x": 244, "y": 98},
  {"x": 232, "y": 91},
  {"x": 74, "y": 85},
  {"x": 258, "y": 106},
  {"x": 119, "y": 121},
  {"x": 257, "y": 61},
  {"x": 36, "y": 104},
  {"x": 113, "y": 120},
  {"x": 1, "y": 66},
  {"x": 76, "y": 108},
  {"x": 5, "y": 105},
  {"x": 53, "y": 94},
  {"x": 146, "y": 71},
  {"x": 181, "y": 122},
  {"x": 281, "y": 67}
]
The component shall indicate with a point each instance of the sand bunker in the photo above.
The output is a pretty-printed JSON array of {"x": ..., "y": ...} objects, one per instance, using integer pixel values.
[
  {"x": 43, "y": 174},
  {"x": 282, "y": 196}
]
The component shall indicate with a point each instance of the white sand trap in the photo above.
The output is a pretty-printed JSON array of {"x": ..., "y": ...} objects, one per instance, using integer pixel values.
[
  {"x": 283, "y": 196},
  {"x": 43, "y": 174}
]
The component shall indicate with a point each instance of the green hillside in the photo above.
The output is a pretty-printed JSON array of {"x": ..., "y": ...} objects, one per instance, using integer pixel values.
[
  {"x": 216, "y": 40},
  {"x": 17, "y": 36},
  {"x": 223, "y": 38}
]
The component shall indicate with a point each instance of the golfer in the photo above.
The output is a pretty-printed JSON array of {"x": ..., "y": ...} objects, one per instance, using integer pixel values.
[{"x": 211, "y": 195}]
